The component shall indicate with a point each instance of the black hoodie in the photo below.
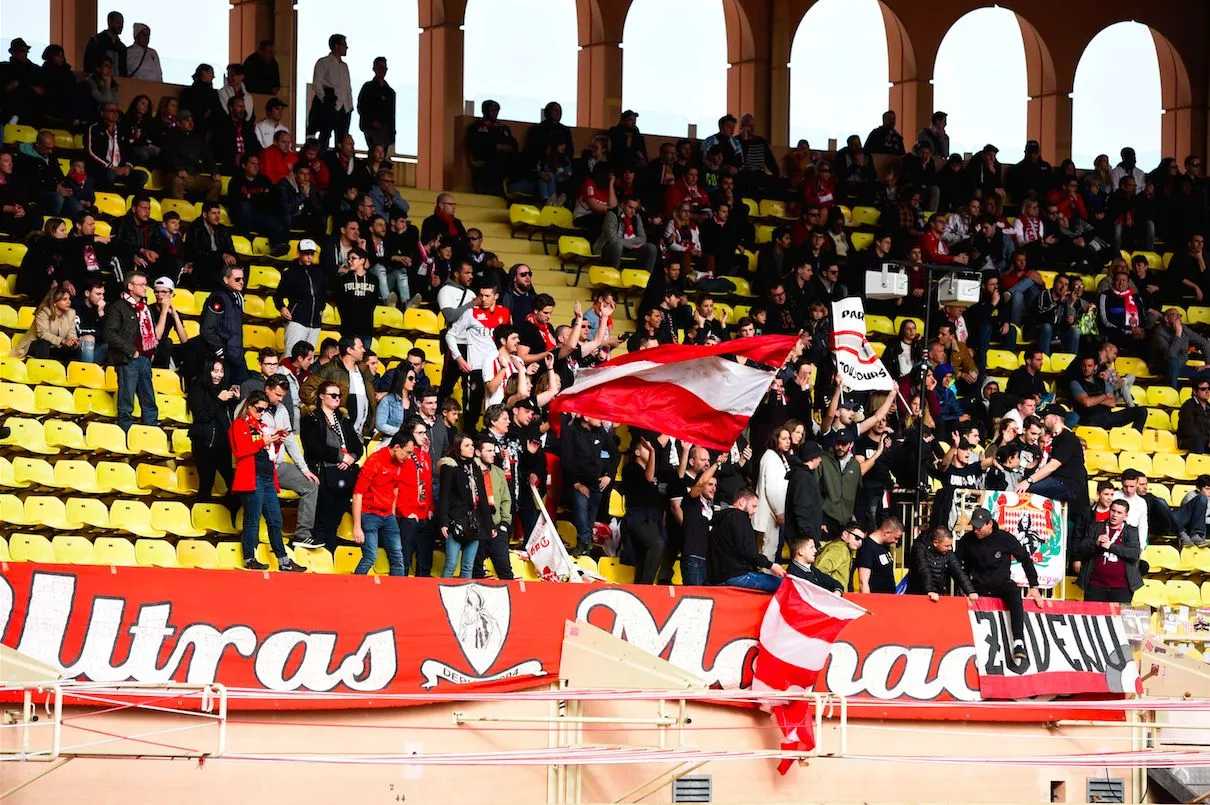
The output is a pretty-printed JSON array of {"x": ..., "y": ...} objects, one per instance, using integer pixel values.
[{"x": 804, "y": 503}]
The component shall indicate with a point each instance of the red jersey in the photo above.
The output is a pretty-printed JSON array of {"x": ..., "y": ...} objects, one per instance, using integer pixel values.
[
  {"x": 416, "y": 487},
  {"x": 378, "y": 482}
]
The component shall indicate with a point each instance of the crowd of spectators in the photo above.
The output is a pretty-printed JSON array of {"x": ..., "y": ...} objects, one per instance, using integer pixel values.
[{"x": 419, "y": 468}]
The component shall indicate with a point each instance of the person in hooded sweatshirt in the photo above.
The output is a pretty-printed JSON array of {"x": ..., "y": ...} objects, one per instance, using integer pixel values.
[{"x": 804, "y": 501}]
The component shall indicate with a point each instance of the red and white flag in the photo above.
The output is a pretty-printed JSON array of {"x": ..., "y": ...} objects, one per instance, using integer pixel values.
[
  {"x": 796, "y": 636},
  {"x": 692, "y": 393}
]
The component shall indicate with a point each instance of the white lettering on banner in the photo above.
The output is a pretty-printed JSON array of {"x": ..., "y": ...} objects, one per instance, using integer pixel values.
[
  {"x": 1056, "y": 644},
  {"x": 51, "y": 598},
  {"x": 435, "y": 671},
  {"x": 684, "y": 635},
  {"x": 876, "y": 671},
  {"x": 856, "y": 360}
]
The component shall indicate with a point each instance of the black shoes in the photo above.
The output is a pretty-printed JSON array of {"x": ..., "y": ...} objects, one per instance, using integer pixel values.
[
  {"x": 287, "y": 565},
  {"x": 253, "y": 564}
]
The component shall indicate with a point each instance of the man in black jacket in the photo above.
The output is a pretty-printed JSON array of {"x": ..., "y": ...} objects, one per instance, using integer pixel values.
[
  {"x": 186, "y": 158},
  {"x": 132, "y": 240},
  {"x": 39, "y": 168},
  {"x": 301, "y": 295},
  {"x": 107, "y": 165},
  {"x": 802, "y": 565},
  {"x": 804, "y": 501},
  {"x": 376, "y": 107},
  {"x": 223, "y": 324},
  {"x": 935, "y": 568},
  {"x": 208, "y": 247},
  {"x": 253, "y": 205},
  {"x": 733, "y": 560},
  {"x": 129, "y": 335},
  {"x": 987, "y": 552},
  {"x": 234, "y": 136},
  {"x": 590, "y": 461},
  {"x": 107, "y": 43}
]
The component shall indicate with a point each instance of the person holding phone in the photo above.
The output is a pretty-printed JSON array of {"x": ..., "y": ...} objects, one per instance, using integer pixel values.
[
  {"x": 332, "y": 448},
  {"x": 255, "y": 444}
]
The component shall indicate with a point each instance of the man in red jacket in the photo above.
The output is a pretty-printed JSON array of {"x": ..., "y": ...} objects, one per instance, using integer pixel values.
[
  {"x": 374, "y": 503},
  {"x": 414, "y": 506},
  {"x": 934, "y": 248}
]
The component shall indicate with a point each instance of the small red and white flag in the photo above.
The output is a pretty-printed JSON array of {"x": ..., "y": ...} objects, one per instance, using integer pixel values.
[
  {"x": 796, "y": 637},
  {"x": 690, "y": 392}
]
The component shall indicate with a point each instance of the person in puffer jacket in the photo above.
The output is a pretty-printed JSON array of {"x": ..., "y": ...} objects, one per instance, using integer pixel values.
[{"x": 936, "y": 569}]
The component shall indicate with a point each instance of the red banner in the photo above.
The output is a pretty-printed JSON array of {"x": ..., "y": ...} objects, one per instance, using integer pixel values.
[{"x": 348, "y": 641}]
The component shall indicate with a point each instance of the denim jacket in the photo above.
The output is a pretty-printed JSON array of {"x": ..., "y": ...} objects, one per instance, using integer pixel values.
[{"x": 390, "y": 415}]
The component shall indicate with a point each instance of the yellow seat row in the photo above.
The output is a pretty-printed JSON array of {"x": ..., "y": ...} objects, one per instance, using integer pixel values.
[
  {"x": 1174, "y": 592},
  {"x": 56, "y": 436}
]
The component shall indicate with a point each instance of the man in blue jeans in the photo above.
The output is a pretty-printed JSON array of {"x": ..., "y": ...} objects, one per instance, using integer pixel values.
[
  {"x": 589, "y": 461},
  {"x": 733, "y": 560},
  {"x": 374, "y": 499},
  {"x": 129, "y": 335}
]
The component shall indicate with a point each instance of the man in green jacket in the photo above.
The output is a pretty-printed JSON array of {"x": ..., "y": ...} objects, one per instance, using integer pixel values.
[
  {"x": 500, "y": 501},
  {"x": 840, "y": 477},
  {"x": 835, "y": 558}
]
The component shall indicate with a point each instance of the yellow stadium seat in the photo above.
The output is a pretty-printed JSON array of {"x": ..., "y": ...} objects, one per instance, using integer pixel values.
[
  {"x": 30, "y": 548},
  {"x": 1199, "y": 314},
  {"x": 65, "y": 435},
  {"x": 1101, "y": 462},
  {"x": 12, "y": 510},
  {"x": 1177, "y": 495},
  {"x": 14, "y": 133},
  {"x": 78, "y": 476},
  {"x": 612, "y": 569},
  {"x": 1168, "y": 465},
  {"x": 243, "y": 246},
  {"x": 110, "y": 204},
  {"x": 1159, "y": 441},
  {"x": 88, "y": 514},
  {"x": 188, "y": 210},
  {"x": 28, "y": 434},
  {"x": 113, "y": 551},
  {"x": 866, "y": 216},
  {"x": 1195, "y": 560},
  {"x": 107, "y": 438},
  {"x": 173, "y": 409},
  {"x": 229, "y": 555},
  {"x": 431, "y": 349},
  {"x": 32, "y": 473},
  {"x": 86, "y": 375},
  {"x": 1151, "y": 594},
  {"x": 149, "y": 440},
  {"x": 263, "y": 277},
  {"x": 20, "y": 398},
  {"x": 8, "y": 290},
  {"x": 523, "y": 217},
  {"x": 1094, "y": 438},
  {"x": 1162, "y": 557},
  {"x": 617, "y": 506},
  {"x": 331, "y": 317},
  {"x": 635, "y": 278},
  {"x": 880, "y": 325},
  {"x": 346, "y": 558},
  {"x": 72, "y": 550},
  {"x": 1197, "y": 464},
  {"x": 6, "y": 475},
  {"x": 46, "y": 371},
  {"x": 155, "y": 553},
  {"x": 174, "y": 518},
  {"x": 1068, "y": 590},
  {"x": 1158, "y": 419},
  {"x": 574, "y": 249},
  {"x": 388, "y": 318},
  {"x": 134, "y": 517},
  {"x": 196, "y": 553},
  {"x": 1206, "y": 593},
  {"x": 557, "y": 217},
  {"x": 1002, "y": 359},
  {"x": 419, "y": 320},
  {"x": 753, "y": 207},
  {"x": 1181, "y": 592},
  {"x": 604, "y": 277},
  {"x": 120, "y": 477},
  {"x": 389, "y": 346},
  {"x": 567, "y": 532},
  {"x": 56, "y": 400},
  {"x": 213, "y": 518},
  {"x": 764, "y": 234},
  {"x": 1163, "y": 396},
  {"x": 862, "y": 240},
  {"x": 1133, "y": 366},
  {"x": 1125, "y": 438},
  {"x": 742, "y": 288},
  {"x": 155, "y": 476},
  {"x": 772, "y": 208},
  {"x": 167, "y": 382},
  {"x": 1133, "y": 459},
  {"x": 315, "y": 560}
]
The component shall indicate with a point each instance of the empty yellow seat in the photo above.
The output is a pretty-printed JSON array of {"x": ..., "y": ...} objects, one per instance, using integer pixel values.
[
  {"x": 46, "y": 371},
  {"x": 30, "y": 548},
  {"x": 134, "y": 517},
  {"x": 1168, "y": 465},
  {"x": 118, "y": 477},
  {"x": 1164, "y": 396},
  {"x": 56, "y": 400},
  {"x": 213, "y": 518},
  {"x": 1162, "y": 557},
  {"x": 65, "y": 435},
  {"x": 46, "y": 512},
  {"x": 72, "y": 550},
  {"x": 1151, "y": 594},
  {"x": 149, "y": 440},
  {"x": 104, "y": 437},
  {"x": 1181, "y": 592},
  {"x": 421, "y": 321},
  {"x": 88, "y": 514},
  {"x": 1094, "y": 438},
  {"x": 113, "y": 551},
  {"x": 155, "y": 553},
  {"x": 196, "y": 553},
  {"x": 174, "y": 518}
]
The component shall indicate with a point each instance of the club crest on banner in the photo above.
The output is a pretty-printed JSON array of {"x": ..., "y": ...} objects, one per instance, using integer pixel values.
[
  {"x": 480, "y": 617},
  {"x": 1038, "y": 523}
]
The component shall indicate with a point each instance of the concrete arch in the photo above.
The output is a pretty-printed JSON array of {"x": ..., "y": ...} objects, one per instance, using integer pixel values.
[
  {"x": 1045, "y": 109},
  {"x": 1176, "y": 95}
]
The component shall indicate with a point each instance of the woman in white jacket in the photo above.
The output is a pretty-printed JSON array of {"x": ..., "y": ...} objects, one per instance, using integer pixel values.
[{"x": 771, "y": 492}]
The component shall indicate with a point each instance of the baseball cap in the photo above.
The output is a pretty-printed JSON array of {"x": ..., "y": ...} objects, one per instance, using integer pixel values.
[
  {"x": 991, "y": 148},
  {"x": 850, "y": 404},
  {"x": 1055, "y": 409},
  {"x": 630, "y": 113},
  {"x": 163, "y": 283},
  {"x": 980, "y": 517},
  {"x": 307, "y": 245},
  {"x": 529, "y": 403}
]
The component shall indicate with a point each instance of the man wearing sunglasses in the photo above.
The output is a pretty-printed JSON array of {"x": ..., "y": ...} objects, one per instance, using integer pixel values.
[
  {"x": 222, "y": 327},
  {"x": 1193, "y": 423}
]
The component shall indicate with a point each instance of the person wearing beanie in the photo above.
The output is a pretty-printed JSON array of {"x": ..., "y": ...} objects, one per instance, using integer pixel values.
[{"x": 804, "y": 500}]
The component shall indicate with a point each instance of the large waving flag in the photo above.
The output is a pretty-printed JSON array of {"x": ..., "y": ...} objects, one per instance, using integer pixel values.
[
  {"x": 692, "y": 393},
  {"x": 796, "y": 636},
  {"x": 857, "y": 361}
]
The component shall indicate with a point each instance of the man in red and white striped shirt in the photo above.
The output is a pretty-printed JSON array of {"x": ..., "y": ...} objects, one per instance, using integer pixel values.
[
  {"x": 476, "y": 326},
  {"x": 503, "y": 365}
]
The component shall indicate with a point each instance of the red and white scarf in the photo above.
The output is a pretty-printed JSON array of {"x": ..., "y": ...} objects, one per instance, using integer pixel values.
[{"x": 147, "y": 341}]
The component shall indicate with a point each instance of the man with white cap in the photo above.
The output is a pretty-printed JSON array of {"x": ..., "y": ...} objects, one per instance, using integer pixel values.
[
  {"x": 142, "y": 61},
  {"x": 301, "y": 296}
]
